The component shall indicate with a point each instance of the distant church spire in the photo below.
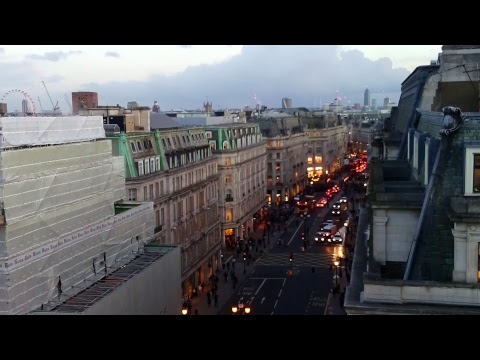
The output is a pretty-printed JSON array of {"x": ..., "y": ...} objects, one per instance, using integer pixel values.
[
  {"x": 208, "y": 106},
  {"x": 156, "y": 107}
]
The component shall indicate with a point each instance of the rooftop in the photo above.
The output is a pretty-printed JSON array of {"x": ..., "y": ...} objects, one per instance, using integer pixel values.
[{"x": 96, "y": 291}]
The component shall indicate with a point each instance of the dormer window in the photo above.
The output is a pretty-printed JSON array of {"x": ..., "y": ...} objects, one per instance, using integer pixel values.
[{"x": 472, "y": 170}]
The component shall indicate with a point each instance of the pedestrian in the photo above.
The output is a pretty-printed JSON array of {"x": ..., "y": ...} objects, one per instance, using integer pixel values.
[
  {"x": 228, "y": 265},
  {"x": 209, "y": 300},
  {"x": 225, "y": 275},
  {"x": 216, "y": 300},
  {"x": 196, "y": 311}
]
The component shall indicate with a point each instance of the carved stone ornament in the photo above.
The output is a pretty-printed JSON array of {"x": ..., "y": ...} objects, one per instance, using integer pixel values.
[{"x": 452, "y": 120}]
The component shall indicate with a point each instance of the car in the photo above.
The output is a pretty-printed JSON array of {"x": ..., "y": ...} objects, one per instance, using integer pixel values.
[
  {"x": 320, "y": 204},
  {"x": 323, "y": 237},
  {"x": 323, "y": 225},
  {"x": 343, "y": 199},
  {"x": 337, "y": 238},
  {"x": 337, "y": 205},
  {"x": 335, "y": 212}
]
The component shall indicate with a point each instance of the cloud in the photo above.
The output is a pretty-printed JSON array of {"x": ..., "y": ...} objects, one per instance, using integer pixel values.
[
  {"x": 112, "y": 54},
  {"x": 186, "y": 46},
  {"x": 308, "y": 74},
  {"x": 53, "y": 56}
]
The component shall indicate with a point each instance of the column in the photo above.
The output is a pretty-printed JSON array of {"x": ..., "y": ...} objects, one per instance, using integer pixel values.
[
  {"x": 460, "y": 254},
  {"x": 380, "y": 238}
]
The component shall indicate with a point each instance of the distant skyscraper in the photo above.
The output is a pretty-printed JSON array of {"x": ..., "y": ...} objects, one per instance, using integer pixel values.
[
  {"x": 25, "y": 107},
  {"x": 374, "y": 104},
  {"x": 386, "y": 101},
  {"x": 366, "y": 97}
]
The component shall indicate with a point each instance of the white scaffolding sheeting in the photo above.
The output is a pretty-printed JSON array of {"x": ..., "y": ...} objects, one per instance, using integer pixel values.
[
  {"x": 33, "y": 274},
  {"x": 30, "y": 131},
  {"x": 54, "y": 190}
]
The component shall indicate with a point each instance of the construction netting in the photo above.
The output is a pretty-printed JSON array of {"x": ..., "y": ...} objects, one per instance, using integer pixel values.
[{"x": 58, "y": 203}]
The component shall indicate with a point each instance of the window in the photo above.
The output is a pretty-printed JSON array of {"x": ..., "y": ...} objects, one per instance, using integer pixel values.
[
  {"x": 132, "y": 194},
  {"x": 151, "y": 191},
  {"x": 472, "y": 171},
  {"x": 157, "y": 163},
  {"x": 229, "y": 215},
  {"x": 132, "y": 145},
  {"x": 145, "y": 194},
  {"x": 152, "y": 165},
  {"x": 157, "y": 190},
  {"x": 147, "y": 166},
  {"x": 140, "y": 168},
  {"x": 476, "y": 173},
  {"x": 139, "y": 146},
  {"x": 478, "y": 264}
]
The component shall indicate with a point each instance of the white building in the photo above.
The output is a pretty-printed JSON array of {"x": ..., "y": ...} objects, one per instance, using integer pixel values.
[{"x": 60, "y": 229}]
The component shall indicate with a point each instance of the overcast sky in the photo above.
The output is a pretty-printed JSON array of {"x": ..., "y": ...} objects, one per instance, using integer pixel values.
[{"x": 185, "y": 76}]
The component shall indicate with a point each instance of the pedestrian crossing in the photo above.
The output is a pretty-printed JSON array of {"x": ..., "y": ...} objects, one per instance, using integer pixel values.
[{"x": 299, "y": 259}]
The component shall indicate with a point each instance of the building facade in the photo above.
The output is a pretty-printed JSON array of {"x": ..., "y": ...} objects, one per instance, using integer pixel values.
[
  {"x": 177, "y": 171},
  {"x": 64, "y": 224},
  {"x": 242, "y": 167},
  {"x": 422, "y": 217},
  {"x": 326, "y": 149},
  {"x": 83, "y": 100}
]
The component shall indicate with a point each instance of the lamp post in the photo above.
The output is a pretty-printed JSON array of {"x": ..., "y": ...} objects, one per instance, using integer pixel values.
[
  {"x": 336, "y": 263},
  {"x": 244, "y": 263},
  {"x": 184, "y": 309},
  {"x": 290, "y": 259},
  {"x": 241, "y": 309},
  {"x": 304, "y": 237}
]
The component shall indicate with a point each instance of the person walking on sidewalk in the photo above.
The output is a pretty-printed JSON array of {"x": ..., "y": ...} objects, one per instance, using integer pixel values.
[{"x": 209, "y": 299}]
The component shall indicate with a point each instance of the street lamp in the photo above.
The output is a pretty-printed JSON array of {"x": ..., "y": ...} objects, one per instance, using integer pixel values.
[
  {"x": 244, "y": 263},
  {"x": 184, "y": 309},
  {"x": 304, "y": 234},
  {"x": 336, "y": 263}
]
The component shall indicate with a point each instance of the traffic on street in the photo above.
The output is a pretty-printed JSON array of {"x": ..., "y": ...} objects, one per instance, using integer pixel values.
[{"x": 300, "y": 275}]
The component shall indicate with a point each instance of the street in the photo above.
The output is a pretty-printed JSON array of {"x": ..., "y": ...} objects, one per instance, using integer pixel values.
[{"x": 302, "y": 286}]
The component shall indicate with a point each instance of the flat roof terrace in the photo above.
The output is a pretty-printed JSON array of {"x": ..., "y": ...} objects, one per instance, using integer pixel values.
[{"x": 99, "y": 289}]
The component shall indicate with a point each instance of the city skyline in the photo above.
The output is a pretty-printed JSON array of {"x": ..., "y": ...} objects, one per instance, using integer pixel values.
[{"x": 229, "y": 76}]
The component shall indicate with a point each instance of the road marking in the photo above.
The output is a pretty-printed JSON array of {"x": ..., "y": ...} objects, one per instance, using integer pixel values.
[
  {"x": 275, "y": 305},
  {"x": 263, "y": 299},
  {"x": 291, "y": 239},
  {"x": 280, "y": 293},
  {"x": 328, "y": 302},
  {"x": 282, "y": 278},
  {"x": 263, "y": 282}
]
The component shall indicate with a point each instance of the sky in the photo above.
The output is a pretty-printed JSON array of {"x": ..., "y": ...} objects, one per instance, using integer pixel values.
[{"x": 186, "y": 76}]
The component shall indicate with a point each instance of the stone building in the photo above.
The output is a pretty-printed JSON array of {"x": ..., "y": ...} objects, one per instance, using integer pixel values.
[
  {"x": 242, "y": 166},
  {"x": 419, "y": 252},
  {"x": 286, "y": 160},
  {"x": 176, "y": 170}
]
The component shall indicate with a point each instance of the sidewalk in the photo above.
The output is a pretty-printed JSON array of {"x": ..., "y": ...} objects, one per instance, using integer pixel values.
[{"x": 225, "y": 289}]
